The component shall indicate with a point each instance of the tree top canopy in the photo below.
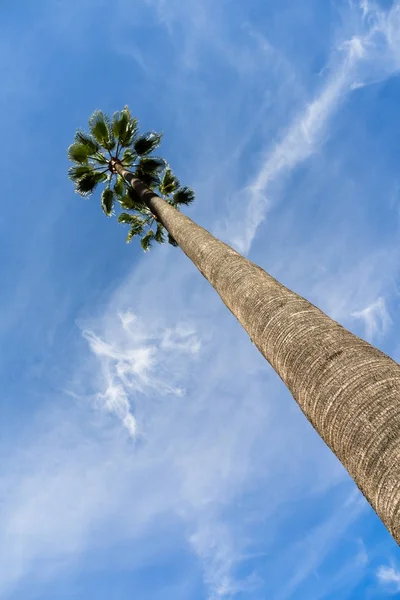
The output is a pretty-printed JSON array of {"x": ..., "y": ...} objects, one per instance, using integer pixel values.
[{"x": 117, "y": 141}]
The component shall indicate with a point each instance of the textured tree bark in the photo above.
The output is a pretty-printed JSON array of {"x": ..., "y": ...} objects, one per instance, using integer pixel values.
[{"x": 347, "y": 389}]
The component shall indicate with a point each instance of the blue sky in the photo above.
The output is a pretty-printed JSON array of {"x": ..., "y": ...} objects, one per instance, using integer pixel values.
[{"x": 147, "y": 449}]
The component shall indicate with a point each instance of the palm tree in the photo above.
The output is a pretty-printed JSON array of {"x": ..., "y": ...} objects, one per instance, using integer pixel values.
[
  {"x": 347, "y": 389},
  {"x": 105, "y": 156}
]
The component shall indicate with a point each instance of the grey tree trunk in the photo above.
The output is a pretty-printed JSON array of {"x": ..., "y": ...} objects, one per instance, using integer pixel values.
[{"x": 347, "y": 389}]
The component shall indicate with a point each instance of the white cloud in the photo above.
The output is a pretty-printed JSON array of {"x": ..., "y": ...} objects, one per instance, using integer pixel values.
[
  {"x": 298, "y": 143},
  {"x": 376, "y": 319},
  {"x": 357, "y": 61},
  {"x": 389, "y": 575},
  {"x": 65, "y": 481},
  {"x": 224, "y": 437},
  {"x": 361, "y": 558},
  {"x": 364, "y": 5},
  {"x": 138, "y": 359},
  {"x": 220, "y": 552}
]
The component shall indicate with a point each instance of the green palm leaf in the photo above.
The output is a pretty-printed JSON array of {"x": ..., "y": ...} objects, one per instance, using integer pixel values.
[
  {"x": 183, "y": 196},
  {"x": 100, "y": 129},
  {"x": 146, "y": 241},
  {"x": 87, "y": 140},
  {"x": 135, "y": 199},
  {"x": 79, "y": 171},
  {"x": 119, "y": 186},
  {"x": 150, "y": 180},
  {"x": 126, "y": 202},
  {"x": 131, "y": 235},
  {"x": 130, "y": 202},
  {"x": 169, "y": 183},
  {"x": 78, "y": 153},
  {"x": 125, "y": 218},
  {"x": 100, "y": 158},
  {"x": 135, "y": 222},
  {"x": 119, "y": 122},
  {"x": 132, "y": 220},
  {"x": 124, "y": 127},
  {"x": 127, "y": 138},
  {"x": 87, "y": 183},
  {"x": 151, "y": 166},
  {"x": 145, "y": 144},
  {"x": 159, "y": 235},
  {"x": 107, "y": 201},
  {"x": 172, "y": 241},
  {"x": 128, "y": 157}
]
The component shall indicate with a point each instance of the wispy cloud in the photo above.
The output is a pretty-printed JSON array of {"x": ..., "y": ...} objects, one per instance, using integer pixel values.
[
  {"x": 220, "y": 554},
  {"x": 376, "y": 319},
  {"x": 364, "y": 57},
  {"x": 139, "y": 359},
  {"x": 298, "y": 143},
  {"x": 66, "y": 479},
  {"x": 389, "y": 576},
  {"x": 204, "y": 446},
  {"x": 209, "y": 443}
]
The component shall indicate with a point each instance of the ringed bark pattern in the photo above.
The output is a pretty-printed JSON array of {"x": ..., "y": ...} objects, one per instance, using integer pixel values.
[{"x": 348, "y": 389}]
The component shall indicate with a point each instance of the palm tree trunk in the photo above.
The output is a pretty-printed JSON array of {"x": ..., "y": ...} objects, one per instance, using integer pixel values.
[{"x": 347, "y": 389}]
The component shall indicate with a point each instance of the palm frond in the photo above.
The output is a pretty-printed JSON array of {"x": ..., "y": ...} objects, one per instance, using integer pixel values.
[
  {"x": 146, "y": 241},
  {"x": 135, "y": 222},
  {"x": 129, "y": 203},
  {"x": 87, "y": 183},
  {"x": 134, "y": 230},
  {"x": 124, "y": 127},
  {"x": 169, "y": 184},
  {"x": 145, "y": 144},
  {"x": 79, "y": 171},
  {"x": 125, "y": 218},
  {"x": 100, "y": 158},
  {"x": 126, "y": 202},
  {"x": 119, "y": 186},
  {"x": 183, "y": 195},
  {"x": 119, "y": 122},
  {"x": 107, "y": 201},
  {"x": 132, "y": 220},
  {"x": 150, "y": 180},
  {"x": 172, "y": 241},
  {"x": 134, "y": 195},
  {"x": 151, "y": 165},
  {"x": 128, "y": 157},
  {"x": 83, "y": 138},
  {"x": 131, "y": 235},
  {"x": 100, "y": 129},
  {"x": 127, "y": 138},
  {"x": 78, "y": 153},
  {"x": 159, "y": 235}
]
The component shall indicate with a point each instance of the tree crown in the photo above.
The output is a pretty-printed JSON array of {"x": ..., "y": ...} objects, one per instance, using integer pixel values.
[{"x": 117, "y": 140}]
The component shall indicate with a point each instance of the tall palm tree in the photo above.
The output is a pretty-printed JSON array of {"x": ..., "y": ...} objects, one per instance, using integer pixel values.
[{"x": 347, "y": 389}]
